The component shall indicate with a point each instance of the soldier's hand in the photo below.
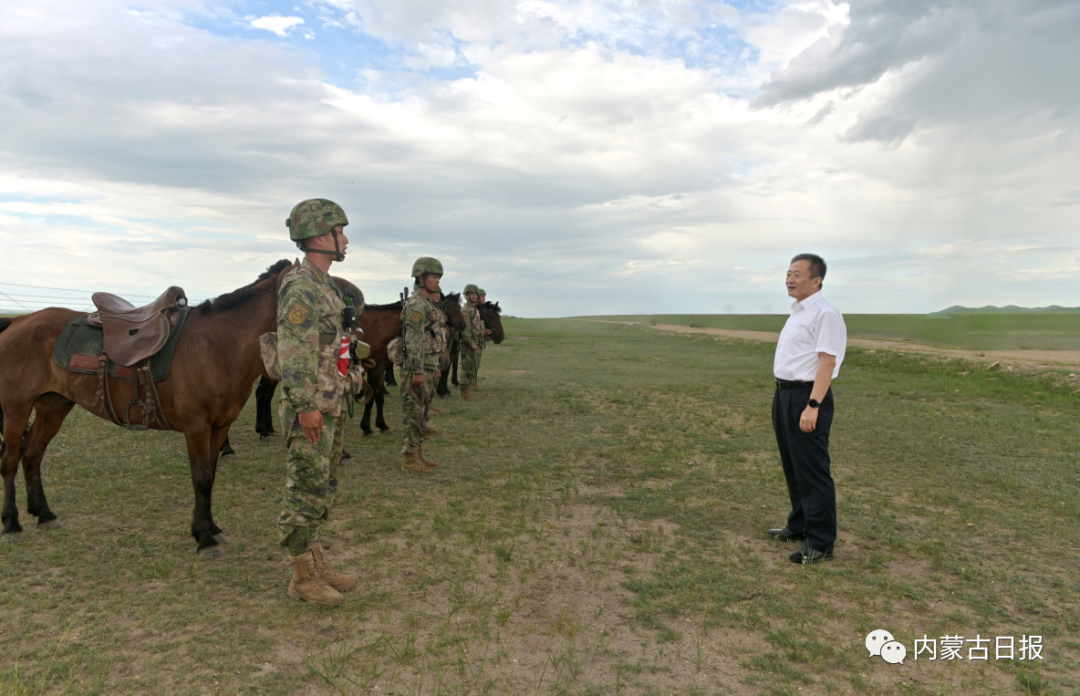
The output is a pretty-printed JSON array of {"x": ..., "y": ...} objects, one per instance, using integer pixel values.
[
  {"x": 438, "y": 374},
  {"x": 487, "y": 331},
  {"x": 312, "y": 423},
  {"x": 474, "y": 346},
  {"x": 418, "y": 380}
]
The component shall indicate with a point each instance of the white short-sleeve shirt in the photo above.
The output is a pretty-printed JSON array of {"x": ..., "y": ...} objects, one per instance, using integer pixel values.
[{"x": 815, "y": 326}]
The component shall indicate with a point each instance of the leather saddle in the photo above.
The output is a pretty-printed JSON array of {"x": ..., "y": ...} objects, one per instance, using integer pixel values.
[{"x": 135, "y": 333}]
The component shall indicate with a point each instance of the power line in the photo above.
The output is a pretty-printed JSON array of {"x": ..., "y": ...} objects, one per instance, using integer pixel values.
[{"x": 45, "y": 287}]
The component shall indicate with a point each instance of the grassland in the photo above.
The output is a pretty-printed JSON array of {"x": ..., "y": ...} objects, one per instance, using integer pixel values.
[
  {"x": 1056, "y": 331},
  {"x": 597, "y": 527}
]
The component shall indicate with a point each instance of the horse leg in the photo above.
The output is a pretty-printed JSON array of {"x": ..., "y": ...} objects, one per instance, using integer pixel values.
[
  {"x": 203, "y": 461},
  {"x": 51, "y": 410},
  {"x": 10, "y": 454},
  {"x": 226, "y": 451},
  {"x": 443, "y": 390},
  {"x": 365, "y": 420},
  {"x": 380, "y": 422},
  {"x": 264, "y": 411},
  {"x": 453, "y": 368},
  {"x": 389, "y": 376}
]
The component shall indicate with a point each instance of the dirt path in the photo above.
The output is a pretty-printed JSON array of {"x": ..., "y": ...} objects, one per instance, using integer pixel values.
[{"x": 1024, "y": 360}]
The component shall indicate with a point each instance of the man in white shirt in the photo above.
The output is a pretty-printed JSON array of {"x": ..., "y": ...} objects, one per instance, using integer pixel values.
[{"x": 808, "y": 357}]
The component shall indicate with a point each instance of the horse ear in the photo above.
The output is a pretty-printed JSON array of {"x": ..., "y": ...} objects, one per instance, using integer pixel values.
[{"x": 496, "y": 304}]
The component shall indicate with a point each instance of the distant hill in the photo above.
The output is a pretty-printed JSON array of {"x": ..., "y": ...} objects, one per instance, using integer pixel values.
[{"x": 1008, "y": 309}]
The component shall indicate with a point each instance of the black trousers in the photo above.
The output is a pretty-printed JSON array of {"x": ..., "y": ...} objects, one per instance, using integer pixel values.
[{"x": 805, "y": 457}]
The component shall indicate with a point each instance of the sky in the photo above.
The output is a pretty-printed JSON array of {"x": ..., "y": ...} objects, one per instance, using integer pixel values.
[{"x": 571, "y": 158}]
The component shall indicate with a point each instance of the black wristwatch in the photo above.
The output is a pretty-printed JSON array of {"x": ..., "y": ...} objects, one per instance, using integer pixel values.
[{"x": 813, "y": 403}]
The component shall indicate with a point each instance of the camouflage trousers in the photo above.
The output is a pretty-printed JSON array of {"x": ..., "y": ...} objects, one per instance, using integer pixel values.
[
  {"x": 469, "y": 365},
  {"x": 412, "y": 432},
  {"x": 310, "y": 479}
]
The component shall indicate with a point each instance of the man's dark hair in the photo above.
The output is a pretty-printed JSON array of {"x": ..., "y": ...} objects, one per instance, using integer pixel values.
[{"x": 817, "y": 265}]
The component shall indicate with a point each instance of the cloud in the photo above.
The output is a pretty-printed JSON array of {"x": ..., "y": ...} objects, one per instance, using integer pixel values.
[
  {"x": 590, "y": 150},
  {"x": 277, "y": 24}
]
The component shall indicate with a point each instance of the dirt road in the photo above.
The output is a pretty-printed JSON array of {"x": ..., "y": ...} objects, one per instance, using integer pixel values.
[{"x": 1024, "y": 360}]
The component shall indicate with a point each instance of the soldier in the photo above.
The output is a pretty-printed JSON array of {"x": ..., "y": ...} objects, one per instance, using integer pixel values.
[
  {"x": 481, "y": 299},
  {"x": 315, "y": 375},
  {"x": 420, "y": 364},
  {"x": 442, "y": 335},
  {"x": 471, "y": 338}
]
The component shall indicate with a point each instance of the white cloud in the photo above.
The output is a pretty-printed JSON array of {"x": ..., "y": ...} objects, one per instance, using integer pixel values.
[
  {"x": 588, "y": 150},
  {"x": 277, "y": 24}
]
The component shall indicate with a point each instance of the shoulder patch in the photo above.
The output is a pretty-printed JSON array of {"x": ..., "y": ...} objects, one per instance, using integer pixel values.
[
  {"x": 298, "y": 313},
  {"x": 416, "y": 317}
]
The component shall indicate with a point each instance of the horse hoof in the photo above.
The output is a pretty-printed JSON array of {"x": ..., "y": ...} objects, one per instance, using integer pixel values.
[
  {"x": 267, "y": 436},
  {"x": 221, "y": 538},
  {"x": 211, "y": 552},
  {"x": 12, "y": 538},
  {"x": 231, "y": 457},
  {"x": 347, "y": 461},
  {"x": 51, "y": 524}
]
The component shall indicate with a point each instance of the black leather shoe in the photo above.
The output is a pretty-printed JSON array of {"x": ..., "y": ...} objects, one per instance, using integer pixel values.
[
  {"x": 809, "y": 556},
  {"x": 786, "y": 534}
]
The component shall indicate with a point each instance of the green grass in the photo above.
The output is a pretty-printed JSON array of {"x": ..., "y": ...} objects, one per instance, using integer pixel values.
[
  {"x": 1058, "y": 331},
  {"x": 597, "y": 527}
]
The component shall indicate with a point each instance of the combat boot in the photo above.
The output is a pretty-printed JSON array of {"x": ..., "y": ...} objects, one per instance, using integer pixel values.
[
  {"x": 413, "y": 463},
  {"x": 436, "y": 411},
  {"x": 431, "y": 430},
  {"x": 466, "y": 396},
  {"x": 342, "y": 582},
  {"x": 427, "y": 462},
  {"x": 308, "y": 585}
]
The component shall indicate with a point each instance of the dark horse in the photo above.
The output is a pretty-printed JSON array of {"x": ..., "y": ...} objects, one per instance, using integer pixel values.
[
  {"x": 378, "y": 324},
  {"x": 489, "y": 312},
  {"x": 216, "y": 361}
]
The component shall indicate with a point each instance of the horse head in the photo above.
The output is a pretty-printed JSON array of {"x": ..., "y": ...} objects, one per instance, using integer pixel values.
[
  {"x": 450, "y": 304},
  {"x": 490, "y": 312}
]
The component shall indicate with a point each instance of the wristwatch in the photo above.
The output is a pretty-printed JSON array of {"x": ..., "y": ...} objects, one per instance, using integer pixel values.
[{"x": 813, "y": 403}]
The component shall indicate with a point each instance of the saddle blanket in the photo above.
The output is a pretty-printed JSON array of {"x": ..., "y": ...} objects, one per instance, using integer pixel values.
[{"x": 80, "y": 345}]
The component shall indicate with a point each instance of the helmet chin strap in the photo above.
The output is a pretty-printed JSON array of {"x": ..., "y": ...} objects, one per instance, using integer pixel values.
[{"x": 336, "y": 253}]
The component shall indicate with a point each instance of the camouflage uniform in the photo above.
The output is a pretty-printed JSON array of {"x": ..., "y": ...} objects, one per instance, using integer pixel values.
[
  {"x": 419, "y": 317},
  {"x": 442, "y": 342},
  {"x": 309, "y": 344},
  {"x": 473, "y": 335}
]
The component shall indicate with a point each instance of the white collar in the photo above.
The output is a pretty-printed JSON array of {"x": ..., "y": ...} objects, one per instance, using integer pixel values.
[{"x": 808, "y": 302}]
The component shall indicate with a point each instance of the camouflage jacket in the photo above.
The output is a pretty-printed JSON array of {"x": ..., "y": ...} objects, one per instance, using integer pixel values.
[
  {"x": 419, "y": 317},
  {"x": 474, "y": 326},
  {"x": 442, "y": 332},
  {"x": 309, "y": 340}
]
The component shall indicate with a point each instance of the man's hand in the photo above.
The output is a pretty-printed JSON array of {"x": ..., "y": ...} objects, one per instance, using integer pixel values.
[
  {"x": 438, "y": 374},
  {"x": 418, "y": 380},
  {"x": 487, "y": 331},
  {"x": 808, "y": 421},
  {"x": 474, "y": 346},
  {"x": 312, "y": 423}
]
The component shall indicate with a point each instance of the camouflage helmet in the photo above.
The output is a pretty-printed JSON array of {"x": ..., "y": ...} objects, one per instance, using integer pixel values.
[
  {"x": 314, "y": 218},
  {"x": 471, "y": 287},
  {"x": 426, "y": 264},
  {"x": 482, "y": 292}
]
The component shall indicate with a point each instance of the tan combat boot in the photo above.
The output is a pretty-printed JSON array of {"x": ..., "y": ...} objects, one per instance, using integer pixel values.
[
  {"x": 308, "y": 585},
  {"x": 342, "y": 582},
  {"x": 413, "y": 463},
  {"x": 427, "y": 462},
  {"x": 431, "y": 430},
  {"x": 436, "y": 411},
  {"x": 466, "y": 396}
]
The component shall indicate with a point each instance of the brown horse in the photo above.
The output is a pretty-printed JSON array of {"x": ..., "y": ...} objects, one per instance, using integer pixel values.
[{"x": 217, "y": 360}]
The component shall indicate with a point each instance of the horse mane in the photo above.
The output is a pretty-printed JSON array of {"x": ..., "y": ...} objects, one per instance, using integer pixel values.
[
  {"x": 454, "y": 297},
  {"x": 395, "y": 306},
  {"x": 492, "y": 306},
  {"x": 239, "y": 296}
]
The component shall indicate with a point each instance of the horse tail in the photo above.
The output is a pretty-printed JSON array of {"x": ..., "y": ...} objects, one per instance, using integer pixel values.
[{"x": 4, "y": 323}]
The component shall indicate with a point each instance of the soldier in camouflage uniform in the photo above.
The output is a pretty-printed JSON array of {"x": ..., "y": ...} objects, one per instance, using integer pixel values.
[
  {"x": 481, "y": 299},
  {"x": 314, "y": 380},
  {"x": 471, "y": 338},
  {"x": 420, "y": 364}
]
